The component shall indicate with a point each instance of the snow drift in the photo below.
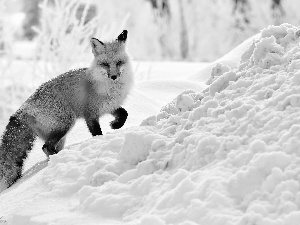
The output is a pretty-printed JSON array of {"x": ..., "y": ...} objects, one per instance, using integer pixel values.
[
  {"x": 231, "y": 59},
  {"x": 226, "y": 155}
]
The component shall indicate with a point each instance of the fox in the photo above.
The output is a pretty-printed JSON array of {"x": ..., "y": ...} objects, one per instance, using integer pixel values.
[{"x": 51, "y": 111}]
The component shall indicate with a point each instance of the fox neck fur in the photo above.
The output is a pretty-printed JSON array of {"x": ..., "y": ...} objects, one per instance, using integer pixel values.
[{"x": 111, "y": 93}]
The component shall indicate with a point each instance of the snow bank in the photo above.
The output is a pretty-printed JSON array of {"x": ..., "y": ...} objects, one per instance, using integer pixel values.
[
  {"x": 227, "y": 155},
  {"x": 230, "y": 60}
]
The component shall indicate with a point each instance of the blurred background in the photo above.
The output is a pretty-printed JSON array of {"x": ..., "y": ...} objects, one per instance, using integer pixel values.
[
  {"x": 40, "y": 39},
  {"x": 190, "y": 30}
]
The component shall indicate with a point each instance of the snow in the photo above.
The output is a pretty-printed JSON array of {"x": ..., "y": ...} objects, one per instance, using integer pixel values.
[
  {"x": 226, "y": 153},
  {"x": 231, "y": 60}
]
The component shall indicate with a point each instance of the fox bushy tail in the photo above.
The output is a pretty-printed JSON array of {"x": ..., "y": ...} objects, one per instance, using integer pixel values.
[{"x": 17, "y": 140}]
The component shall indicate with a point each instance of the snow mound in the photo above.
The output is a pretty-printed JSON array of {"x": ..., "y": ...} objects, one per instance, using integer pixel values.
[
  {"x": 226, "y": 155},
  {"x": 148, "y": 97},
  {"x": 230, "y": 60}
]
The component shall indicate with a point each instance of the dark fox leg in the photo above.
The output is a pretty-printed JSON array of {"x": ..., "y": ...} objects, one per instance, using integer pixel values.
[
  {"x": 120, "y": 115},
  {"x": 94, "y": 127},
  {"x": 17, "y": 140},
  {"x": 92, "y": 121},
  {"x": 50, "y": 147},
  {"x": 54, "y": 135}
]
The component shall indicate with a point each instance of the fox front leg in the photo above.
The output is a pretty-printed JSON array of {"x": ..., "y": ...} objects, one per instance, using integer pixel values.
[
  {"x": 92, "y": 121},
  {"x": 94, "y": 127},
  {"x": 120, "y": 115}
]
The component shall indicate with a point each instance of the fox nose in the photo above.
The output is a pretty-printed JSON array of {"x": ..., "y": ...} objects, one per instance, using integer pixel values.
[{"x": 113, "y": 77}]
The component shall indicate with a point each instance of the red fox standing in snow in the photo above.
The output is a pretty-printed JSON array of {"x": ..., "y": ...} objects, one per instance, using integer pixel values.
[{"x": 52, "y": 110}]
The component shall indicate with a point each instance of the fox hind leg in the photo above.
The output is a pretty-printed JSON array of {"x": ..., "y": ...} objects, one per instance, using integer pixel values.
[
  {"x": 54, "y": 136},
  {"x": 54, "y": 142}
]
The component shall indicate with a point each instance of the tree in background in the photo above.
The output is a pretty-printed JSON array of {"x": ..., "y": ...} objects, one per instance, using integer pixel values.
[
  {"x": 241, "y": 10},
  {"x": 32, "y": 16},
  {"x": 63, "y": 36},
  {"x": 162, "y": 18},
  {"x": 197, "y": 30},
  {"x": 184, "y": 41},
  {"x": 277, "y": 11},
  {"x": 3, "y": 40},
  {"x": 1, "y": 28},
  {"x": 32, "y": 12},
  {"x": 161, "y": 8}
]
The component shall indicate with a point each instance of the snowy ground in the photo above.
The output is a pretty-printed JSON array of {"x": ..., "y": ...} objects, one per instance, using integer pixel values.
[{"x": 227, "y": 153}]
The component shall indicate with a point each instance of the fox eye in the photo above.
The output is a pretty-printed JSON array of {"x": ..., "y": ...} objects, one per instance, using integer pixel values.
[
  {"x": 119, "y": 63},
  {"x": 103, "y": 64}
]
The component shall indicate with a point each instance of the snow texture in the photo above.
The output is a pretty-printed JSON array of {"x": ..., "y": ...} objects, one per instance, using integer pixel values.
[{"x": 226, "y": 155}]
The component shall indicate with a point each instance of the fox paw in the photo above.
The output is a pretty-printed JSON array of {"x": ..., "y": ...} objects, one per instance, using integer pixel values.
[
  {"x": 116, "y": 124},
  {"x": 49, "y": 150}
]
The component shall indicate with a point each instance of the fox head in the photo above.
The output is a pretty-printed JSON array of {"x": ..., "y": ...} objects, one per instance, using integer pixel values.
[{"x": 111, "y": 59}]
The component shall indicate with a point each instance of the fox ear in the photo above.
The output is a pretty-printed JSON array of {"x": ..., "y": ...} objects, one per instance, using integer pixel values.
[
  {"x": 123, "y": 36},
  {"x": 97, "y": 46}
]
